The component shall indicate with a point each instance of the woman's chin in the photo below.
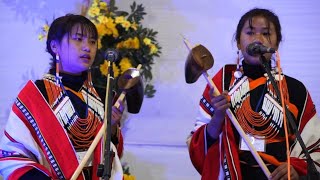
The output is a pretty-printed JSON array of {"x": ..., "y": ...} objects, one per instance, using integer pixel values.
[{"x": 253, "y": 61}]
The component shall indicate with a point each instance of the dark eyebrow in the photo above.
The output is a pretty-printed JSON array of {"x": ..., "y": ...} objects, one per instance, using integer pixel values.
[
  {"x": 78, "y": 34},
  {"x": 252, "y": 28},
  {"x": 81, "y": 35}
]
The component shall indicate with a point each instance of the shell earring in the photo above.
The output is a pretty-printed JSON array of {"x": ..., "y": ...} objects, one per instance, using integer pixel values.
[
  {"x": 58, "y": 79},
  {"x": 273, "y": 61},
  {"x": 238, "y": 74},
  {"x": 90, "y": 76}
]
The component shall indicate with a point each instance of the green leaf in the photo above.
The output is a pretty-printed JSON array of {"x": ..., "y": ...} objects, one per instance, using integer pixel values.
[
  {"x": 149, "y": 91},
  {"x": 121, "y": 13}
]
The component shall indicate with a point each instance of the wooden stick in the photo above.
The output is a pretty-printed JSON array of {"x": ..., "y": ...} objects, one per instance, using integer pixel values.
[
  {"x": 235, "y": 121},
  {"x": 96, "y": 140}
]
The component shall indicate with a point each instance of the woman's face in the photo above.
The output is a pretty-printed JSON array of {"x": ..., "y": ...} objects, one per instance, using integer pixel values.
[
  {"x": 259, "y": 32},
  {"x": 77, "y": 51}
]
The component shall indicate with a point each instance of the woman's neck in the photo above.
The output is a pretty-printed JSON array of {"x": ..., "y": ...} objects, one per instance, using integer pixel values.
[
  {"x": 253, "y": 71},
  {"x": 73, "y": 81},
  {"x": 71, "y": 74}
]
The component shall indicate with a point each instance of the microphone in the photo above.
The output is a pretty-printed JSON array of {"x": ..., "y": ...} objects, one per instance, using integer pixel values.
[
  {"x": 111, "y": 55},
  {"x": 254, "y": 49}
]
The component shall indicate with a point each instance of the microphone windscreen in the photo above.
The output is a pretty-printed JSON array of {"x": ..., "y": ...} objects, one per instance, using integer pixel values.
[{"x": 111, "y": 55}]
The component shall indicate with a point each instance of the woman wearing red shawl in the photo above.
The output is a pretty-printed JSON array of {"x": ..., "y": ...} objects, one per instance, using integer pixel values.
[
  {"x": 217, "y": 150},
  {"x": 54, "y": 120}
]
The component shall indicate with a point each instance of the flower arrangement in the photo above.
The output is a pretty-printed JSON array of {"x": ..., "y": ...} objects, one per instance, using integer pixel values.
[{"x": 123, "y": 31}]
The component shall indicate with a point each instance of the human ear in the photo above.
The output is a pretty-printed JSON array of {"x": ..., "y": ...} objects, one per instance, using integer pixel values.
[
  {"x": 238, "y": 45},
  {"x": 54, "y": 46}
]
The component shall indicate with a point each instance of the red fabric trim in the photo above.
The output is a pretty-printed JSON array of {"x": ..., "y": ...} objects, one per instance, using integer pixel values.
[
  {"x": 206, "y": 164},
  {"x": 9, "y": 137},
  {"x": 211, "y": 166},
  {"x": 19, "y": 172},
  {"x": 196, "y": 149},
  {"x": 23, "y": 170},
  {"x": 217, "y": 79},
  {"x": 14, "y": 159},
  {"x": 309, "y": 112},
  {"x": 299, "y": 165},
  {"x": 232, "y": 155},
  {"x": 120, "y": 145}
]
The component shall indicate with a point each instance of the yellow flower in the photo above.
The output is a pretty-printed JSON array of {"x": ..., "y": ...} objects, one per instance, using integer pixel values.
[
  {"x": 103, "y": 19},
  {"x": 103, "y": 6},
  {"x": 102, "y": 30},
  {"x": 94, "y": 4},
  {"x": 93, "y": 11},
  {"x": 126, "y": 44},
  {"x": 109, "y": 32},
  {"x": 107, "y": 28},
  {"x": 147, "y": 41},
  {"x": 136, "y": 43},
  {"x": 112, "y": 28},
  {"x": 119, "y": 45},
  {"x": 41, "y": 37},
  {"x": 134, "y": 26},
  {"x": 115, "y": 32},
  {"x": 129, "y": 43},
  {"x": 45, "y": 28},
  {"x": 128, "y": 177},
  {"x": 104, "y": 69},
  {"x": 126, "y": 24},
  {"x": 153, "y": 49},
  {"x": 125, "y": 64},
  {"x": 99, "y": 43},
  {"x": 116, "y": 70},
  {"x": 119, "y": 19}
]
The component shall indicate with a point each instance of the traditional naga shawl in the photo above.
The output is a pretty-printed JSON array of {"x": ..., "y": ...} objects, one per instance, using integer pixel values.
[
  {"x": 51, "y": 136},
  {"x": 223, "y": 159}
]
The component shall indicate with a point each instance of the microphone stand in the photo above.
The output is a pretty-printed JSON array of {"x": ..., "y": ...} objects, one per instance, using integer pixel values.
[
  {"x": 104, "y": 171},
  {"x": 312, "y": 172}
]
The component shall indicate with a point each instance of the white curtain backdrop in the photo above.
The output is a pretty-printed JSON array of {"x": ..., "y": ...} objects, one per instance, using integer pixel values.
[{"x": 155, "y": 147}]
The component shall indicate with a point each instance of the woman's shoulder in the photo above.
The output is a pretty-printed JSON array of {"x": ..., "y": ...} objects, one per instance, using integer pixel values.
[
  {"x": 297, "y": 91},
  {"x": 294, "y": 84},
  {"x": 40, "y": 85}
]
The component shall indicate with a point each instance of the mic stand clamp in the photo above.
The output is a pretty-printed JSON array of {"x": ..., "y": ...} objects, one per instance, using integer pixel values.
[{"x": 312, "y": 172}]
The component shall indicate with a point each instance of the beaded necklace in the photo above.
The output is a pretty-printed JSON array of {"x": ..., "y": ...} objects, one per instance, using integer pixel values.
[
  {"x": 268, "y": 121},
  {"x": 81, "y": 131}
]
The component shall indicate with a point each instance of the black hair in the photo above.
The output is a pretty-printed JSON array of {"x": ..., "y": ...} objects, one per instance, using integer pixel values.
[
  {"x": 63, "y": 25},
  {"x": 270, "y": 16}
]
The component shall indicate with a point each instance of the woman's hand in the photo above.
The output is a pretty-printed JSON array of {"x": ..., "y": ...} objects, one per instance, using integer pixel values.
[
  {"x": 220, "y": 104},
  {"x": 116, "y": 114},
  {"x": 281, "y": 173}
]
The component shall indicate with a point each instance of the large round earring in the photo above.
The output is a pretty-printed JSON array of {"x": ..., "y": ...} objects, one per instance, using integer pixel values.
[{"x": 238, "y": 74}]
